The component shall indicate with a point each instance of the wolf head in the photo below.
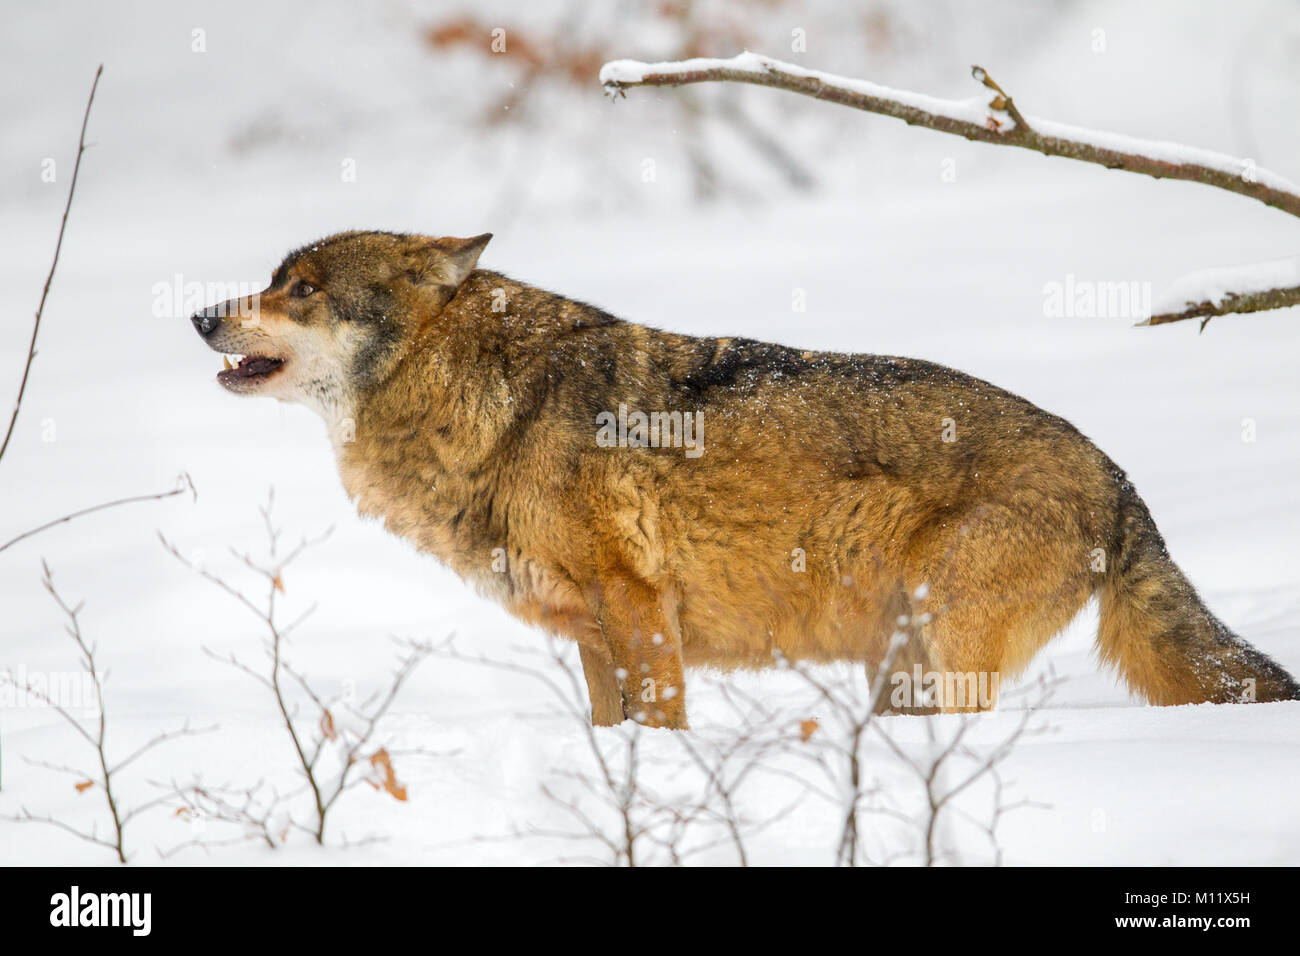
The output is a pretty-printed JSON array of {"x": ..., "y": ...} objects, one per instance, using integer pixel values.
[{"x": 337, "y": 315}]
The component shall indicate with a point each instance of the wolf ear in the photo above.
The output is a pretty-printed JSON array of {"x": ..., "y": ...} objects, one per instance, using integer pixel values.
[{"x": 451, "y": 260}]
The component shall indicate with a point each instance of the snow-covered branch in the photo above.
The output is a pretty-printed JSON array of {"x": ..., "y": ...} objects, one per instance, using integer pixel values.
[
  {"x": 996, "y": 121},
  {"x": 999, "y": 121},
  {"x": 1252, "y": 288}
]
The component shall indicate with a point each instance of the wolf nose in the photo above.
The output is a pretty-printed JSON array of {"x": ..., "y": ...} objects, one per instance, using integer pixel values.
[{"x": 206, "y": 321}]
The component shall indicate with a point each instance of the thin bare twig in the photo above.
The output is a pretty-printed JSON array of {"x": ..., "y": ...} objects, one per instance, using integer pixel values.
[
  {"x": 353, "y": 746},
  {"x": 619, "y": 800},
  {"x": 183, "y": 484},
  {"x": 856, "y": 716},
  {"x": 953, "y": 766},
  {"x": 96, "y": 735},
  {"x": 258, "y": 815},
  {"x": 49, "y": 279}
]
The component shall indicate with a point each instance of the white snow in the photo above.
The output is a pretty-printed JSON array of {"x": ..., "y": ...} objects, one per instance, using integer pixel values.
[{"x": 213, "y": 165}]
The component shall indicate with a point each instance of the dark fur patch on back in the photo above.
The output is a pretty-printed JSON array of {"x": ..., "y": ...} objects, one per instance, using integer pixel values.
[{"x": 739, "y": 362}]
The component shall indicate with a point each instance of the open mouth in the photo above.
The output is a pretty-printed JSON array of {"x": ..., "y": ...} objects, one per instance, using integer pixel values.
[{"x": 248, "y": 369}]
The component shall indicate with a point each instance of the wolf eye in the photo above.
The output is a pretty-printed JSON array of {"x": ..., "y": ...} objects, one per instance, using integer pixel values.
[{"x": 302, "y": 290}]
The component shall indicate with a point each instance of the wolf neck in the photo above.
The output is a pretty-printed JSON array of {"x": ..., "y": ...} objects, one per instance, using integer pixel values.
[{"x": 425, "y": 456}]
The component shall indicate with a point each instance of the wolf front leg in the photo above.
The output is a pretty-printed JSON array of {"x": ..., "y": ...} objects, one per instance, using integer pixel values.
[
  {"x": 602, "y": 685},
  {"x": 644, "y": 641}
]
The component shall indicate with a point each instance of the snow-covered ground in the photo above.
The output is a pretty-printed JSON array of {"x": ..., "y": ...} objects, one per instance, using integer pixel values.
[{"x": 916, "y": 244}]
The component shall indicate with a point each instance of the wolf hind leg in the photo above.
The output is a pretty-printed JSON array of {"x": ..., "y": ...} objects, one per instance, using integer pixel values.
[{"x": 1000, "y": 582}]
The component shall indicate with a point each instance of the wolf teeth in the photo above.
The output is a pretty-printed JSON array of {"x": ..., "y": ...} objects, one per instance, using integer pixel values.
[{"x": 225, "y": 360}]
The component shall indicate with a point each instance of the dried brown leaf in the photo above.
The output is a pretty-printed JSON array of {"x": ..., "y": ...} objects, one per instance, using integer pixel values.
[{"x": 388, "y": 777}]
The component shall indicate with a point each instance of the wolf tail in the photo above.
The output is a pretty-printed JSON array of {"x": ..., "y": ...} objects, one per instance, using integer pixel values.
[{"x": 1158, "y": 633}]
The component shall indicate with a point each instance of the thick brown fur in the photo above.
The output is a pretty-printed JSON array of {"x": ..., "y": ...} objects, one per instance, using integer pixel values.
[{"x": 834, "y": 496}]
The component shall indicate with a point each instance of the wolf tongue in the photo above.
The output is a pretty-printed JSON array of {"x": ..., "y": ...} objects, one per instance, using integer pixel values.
[{"x": 257, "y": 366}]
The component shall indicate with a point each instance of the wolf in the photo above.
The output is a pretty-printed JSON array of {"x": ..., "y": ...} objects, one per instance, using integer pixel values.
[{"x": 822, "y": 502}]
